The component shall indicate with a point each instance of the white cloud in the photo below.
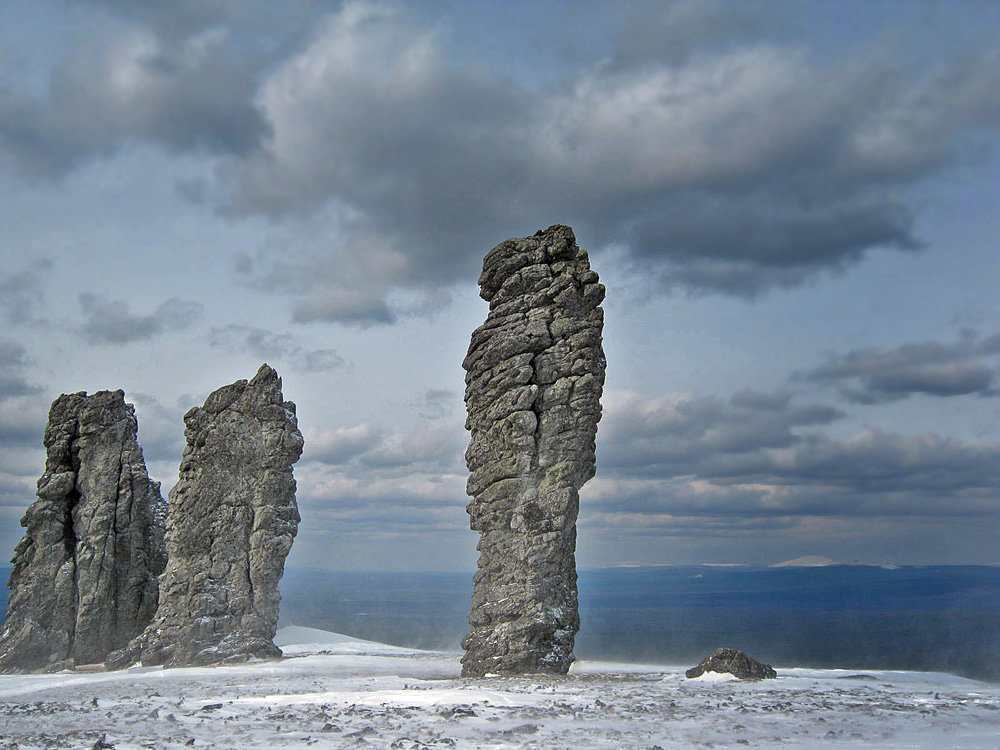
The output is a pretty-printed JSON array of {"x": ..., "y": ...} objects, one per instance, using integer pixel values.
[{"x": 340, "y": 445}]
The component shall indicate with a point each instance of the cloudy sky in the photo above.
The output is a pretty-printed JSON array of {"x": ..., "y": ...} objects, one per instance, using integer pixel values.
[{"x": 793, "y": 206}]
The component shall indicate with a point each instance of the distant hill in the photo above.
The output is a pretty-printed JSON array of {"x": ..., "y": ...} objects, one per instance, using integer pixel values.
[
  {"x": 942, "y": 618},
  {"x": 809, "y": 561}
]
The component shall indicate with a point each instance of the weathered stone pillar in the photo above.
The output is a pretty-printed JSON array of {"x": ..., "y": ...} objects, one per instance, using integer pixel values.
[
  {"x": 231, "y": 524},
  {"x": 534, "y": 377},
  {"x": 84, "y": 576}
]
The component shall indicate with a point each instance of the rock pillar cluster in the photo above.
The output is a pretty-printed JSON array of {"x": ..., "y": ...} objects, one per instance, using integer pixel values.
[
  {"x": 84, "y": 584},
  {"x": 84, "y": 577},
  {"x": 534, "y": 377},
  {"x": 232, "y": 521}
]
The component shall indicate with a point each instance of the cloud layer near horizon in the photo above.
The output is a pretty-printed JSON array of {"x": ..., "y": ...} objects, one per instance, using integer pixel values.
[{"x": 752, "y": 463}]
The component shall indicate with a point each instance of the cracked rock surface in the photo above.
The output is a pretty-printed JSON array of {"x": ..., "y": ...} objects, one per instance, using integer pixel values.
[
  {"x": 83, "y": 581},
  {"x": 232, "y": 521},
  {"x": 534, "y": 377}
]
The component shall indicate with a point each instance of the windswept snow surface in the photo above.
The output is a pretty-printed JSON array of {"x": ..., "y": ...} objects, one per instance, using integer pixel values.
[{"x": 339, "y": 692}]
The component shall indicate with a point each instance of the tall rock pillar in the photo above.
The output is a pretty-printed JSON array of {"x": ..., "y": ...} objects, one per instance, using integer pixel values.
[
  {"x": 231, "y": 524},
  {"x": 534, "y": 377},
  {"x": 83, "y": 581}
]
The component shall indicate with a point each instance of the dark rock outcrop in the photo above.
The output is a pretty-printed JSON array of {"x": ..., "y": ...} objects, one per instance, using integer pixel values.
[
  {"x": 232, "y": 521},
  {"x": 83, "y": 581},
  {"x": 534, "y": 377},
  {"x": 731, "y": 661}
]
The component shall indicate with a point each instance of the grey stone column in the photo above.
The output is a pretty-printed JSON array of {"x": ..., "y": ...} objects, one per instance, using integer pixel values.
[
  {"x": 232, "y": 521},
  {"x": 534, "y": 377},
  {"x": 83, "y": 581}
]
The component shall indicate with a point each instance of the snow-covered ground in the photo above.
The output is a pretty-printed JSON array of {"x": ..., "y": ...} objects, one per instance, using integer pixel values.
[{"x": 339, "y": 692}]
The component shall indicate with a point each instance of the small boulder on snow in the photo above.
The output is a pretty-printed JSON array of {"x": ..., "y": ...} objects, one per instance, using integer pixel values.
[{"x": 731, "y": 661}]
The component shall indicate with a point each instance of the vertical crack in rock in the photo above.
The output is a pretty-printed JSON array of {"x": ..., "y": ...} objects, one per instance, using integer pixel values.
[
  {"x": 534, "y": 377},
  {"x": 231, "y": 524},
  {"x": 83, "y": 582}
]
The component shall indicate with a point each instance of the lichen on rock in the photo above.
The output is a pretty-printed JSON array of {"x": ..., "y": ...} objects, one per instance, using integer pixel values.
[
  {"x": 534, "y": 378},
  {"x": 232, "y": 521},
  {"x": 84, "y": 576}
]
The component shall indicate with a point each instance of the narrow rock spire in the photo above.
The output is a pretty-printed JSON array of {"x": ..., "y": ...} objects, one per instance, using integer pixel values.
[
  {"x": 534, "y": 377},
  {"x": 231, "y": 524},
  {"x": 83, "y": 581}
]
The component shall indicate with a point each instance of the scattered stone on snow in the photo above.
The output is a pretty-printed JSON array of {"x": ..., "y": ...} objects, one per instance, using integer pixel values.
[{"x": 731, "y": 661}]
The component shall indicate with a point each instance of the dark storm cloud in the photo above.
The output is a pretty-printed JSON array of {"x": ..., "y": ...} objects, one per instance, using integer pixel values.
[
  {"x": 880, "y": 461},
  {"x": 366, "y": 479},
  {"x": 670, "y": 33},
  {"x": 13, "y": 362},
  {"x": 275, "y": 347},
  {"x": 715, "y": 156},
  {"x": 161, "y": 429},
  {"x": 669, "y": 436},
  {"x": 737, "y": 171},
  {"x": 112, "y": 322},
  {"x": 791, "y": 238},
  {"x": 872, "y": 376},
  {"x": 384, "y": 518},
  {"x": 341, "y": 445},
  {"x": 758, "y": 456},
  {"x": 751, "y": 463},
  {"x": 360, "y": 480},
  {"x": 186, "y": 93},
  {"x": 389, "y": 505},
  {"x": 362, "y": 307},
  {"x": 22, "y": 295},
  {"x": 12, "y": 487},
  {"x": 16, "y": 493},
  {"x": 438, "y": 403},
  {"x": 433, "y": 448},
  {"x": 22, "y": 424},
  {"x": 179, "y": 18},
  {"x": 437, "y": 446},
  {"x": 646, "y": 525},
  {"x": 23, "y": 413}
]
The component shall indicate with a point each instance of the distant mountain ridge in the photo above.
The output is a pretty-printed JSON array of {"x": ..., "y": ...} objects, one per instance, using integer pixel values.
[
  {"x": 944, "y": 618},
  {"x": 937, "y": 618},
  {"x": 807, "y": 561}
]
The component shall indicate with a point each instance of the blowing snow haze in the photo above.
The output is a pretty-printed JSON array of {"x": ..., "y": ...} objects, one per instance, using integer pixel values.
[{"x": 791, "y": 204}]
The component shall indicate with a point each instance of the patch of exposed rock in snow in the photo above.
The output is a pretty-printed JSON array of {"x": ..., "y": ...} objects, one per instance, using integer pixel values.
[{"x": 340, "y": 692}]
